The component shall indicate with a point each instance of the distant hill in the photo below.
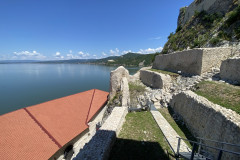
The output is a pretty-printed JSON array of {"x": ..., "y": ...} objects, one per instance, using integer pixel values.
[
  {"x": 18, "y": 61},
  {"x": 75, "y": 61},
  {"x": 129, "y": 59}
]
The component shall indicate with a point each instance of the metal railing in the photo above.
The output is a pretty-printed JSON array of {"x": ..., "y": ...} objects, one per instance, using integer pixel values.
[{"x": 200, "y": 144}]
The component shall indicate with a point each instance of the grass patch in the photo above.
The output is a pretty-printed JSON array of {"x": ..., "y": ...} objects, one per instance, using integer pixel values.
[
  {"x": 180, "y": 128},
  {"x": 136, "y": 87},
  {"x": 140, "y": 138},
  {"x": 165, "y": 72},
  {"x": 226, "y": 95}
]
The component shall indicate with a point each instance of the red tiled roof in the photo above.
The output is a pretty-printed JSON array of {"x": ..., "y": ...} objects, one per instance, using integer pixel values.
[
  {"x": 98, "y": 99},
  {"x": 21, "y": 138},
  {"x": 42, "y": 129}
]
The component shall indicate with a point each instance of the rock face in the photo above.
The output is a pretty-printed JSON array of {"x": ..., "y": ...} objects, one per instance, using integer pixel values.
[
  {"x": 181, "y": 16},
  {"x": 210, "y": 6},
  {"x": 208, "y": 120},
  {"x": 230, "y": 70},
  {"x": 192, "y": 62},
  {"x": 155, "y": 80},
  {"x": 116, "y": 79}
]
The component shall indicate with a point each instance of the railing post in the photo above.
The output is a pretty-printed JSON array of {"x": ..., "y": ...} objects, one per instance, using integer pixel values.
[
  {"x": 200, "y": 145},
  {"x": 220, "y": 155},
  {"x": 193, "y": 150},
  {"x": 178, "y": 147}
]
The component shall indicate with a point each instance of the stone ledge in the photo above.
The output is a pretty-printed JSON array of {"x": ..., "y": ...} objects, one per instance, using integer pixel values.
[{"x": 155, "y": 80}]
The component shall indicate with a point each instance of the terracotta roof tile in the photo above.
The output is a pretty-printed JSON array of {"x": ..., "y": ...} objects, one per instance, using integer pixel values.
[
  {"x": 99, "y": 99},
  {"x": 64, "y": 118},
  {"x": 21, "y": 138},
  {"x": 38, "y": 131}
]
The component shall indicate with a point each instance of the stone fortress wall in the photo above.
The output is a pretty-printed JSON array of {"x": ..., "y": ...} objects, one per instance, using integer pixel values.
[
  {"x": 210, "y": 6},
  {"x": 100, "y": 145},
  {"x": 155, "y": 80},
  {"x": 230, "y": 70},
  {"x": 194, "y": 61},
  {"x": 208, "y": 120}
]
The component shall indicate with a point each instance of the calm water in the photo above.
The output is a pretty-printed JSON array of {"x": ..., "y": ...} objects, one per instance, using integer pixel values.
[{"x": 24, "y": 85}]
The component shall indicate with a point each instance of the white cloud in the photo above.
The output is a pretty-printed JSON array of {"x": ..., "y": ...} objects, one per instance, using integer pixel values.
[
  {"x": 70, "y": 51},
  {"x": 70, "y": 56},
  {"x": 86, "y": 55},
  {"x": 114, "y": 52},
  {"x": 125, "y": 52},
  {"x": 150, "y": 50},
  {"x": 104, "y": 54},
  {"x": 58, "y": 55},
  {"x": 156, "y": 38},
  {"x": 28, "y": 55},
  {"x": 80, "y": 53}
]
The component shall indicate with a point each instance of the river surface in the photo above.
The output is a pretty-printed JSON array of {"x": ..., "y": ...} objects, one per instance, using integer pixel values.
[{"x": 23, "y": 85}]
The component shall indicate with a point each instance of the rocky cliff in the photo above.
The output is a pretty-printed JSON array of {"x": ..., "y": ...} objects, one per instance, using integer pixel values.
[{"x": 206, "y": 23}]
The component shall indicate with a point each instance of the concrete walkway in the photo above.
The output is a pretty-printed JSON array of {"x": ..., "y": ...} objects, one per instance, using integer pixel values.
[{"x": 169, "y": 133}]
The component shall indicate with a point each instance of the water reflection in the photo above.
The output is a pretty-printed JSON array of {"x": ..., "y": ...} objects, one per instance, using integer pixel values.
[{"x": 23, "y": 85}]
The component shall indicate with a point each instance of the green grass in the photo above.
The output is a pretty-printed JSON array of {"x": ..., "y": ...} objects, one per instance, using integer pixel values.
[
  {"x": 140, "y": 138},
  {"x": 165, "y": 72},
  {"x": 181, "y": 129},
  {"x": 226, "y": 95},
  {"x": 136, "y": 87}
]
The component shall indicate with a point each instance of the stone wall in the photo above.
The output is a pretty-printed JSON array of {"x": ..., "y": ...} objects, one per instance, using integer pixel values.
[
  {"x": 100, "y": 145},
  {"x": 116, "y": 80},
  {"x": 208, "y": 120},
  {"x": 230, "y": 70},
  {"x": 193, "y": 62},
  {"x": 213, "y": 57},
  {"x": 155, "y": 80},
  {"x": 210, "y": 6}
]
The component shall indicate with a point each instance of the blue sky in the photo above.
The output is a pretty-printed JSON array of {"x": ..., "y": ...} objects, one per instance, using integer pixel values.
[{"x": 66, "y": 29}]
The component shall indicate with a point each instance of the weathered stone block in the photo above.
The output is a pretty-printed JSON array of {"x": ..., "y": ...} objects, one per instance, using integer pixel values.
[
  {"x": 230, "y": 70},
  {"x": 193, "y": 62},
  {"x": 116, "y": 79},
  {"x": 155, "y": 80},
  {"x": 208, "y": 120}
]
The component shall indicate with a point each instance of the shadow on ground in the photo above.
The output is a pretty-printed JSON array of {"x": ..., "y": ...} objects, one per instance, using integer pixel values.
[
  {"x": 125, "y": 149},
  {"x": 183, "y": 127}
]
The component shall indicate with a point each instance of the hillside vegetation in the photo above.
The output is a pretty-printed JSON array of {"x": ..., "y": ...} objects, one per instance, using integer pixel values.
[
  {"x": 205, "y": 30},
  {"x": 129, "y": 59}
]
